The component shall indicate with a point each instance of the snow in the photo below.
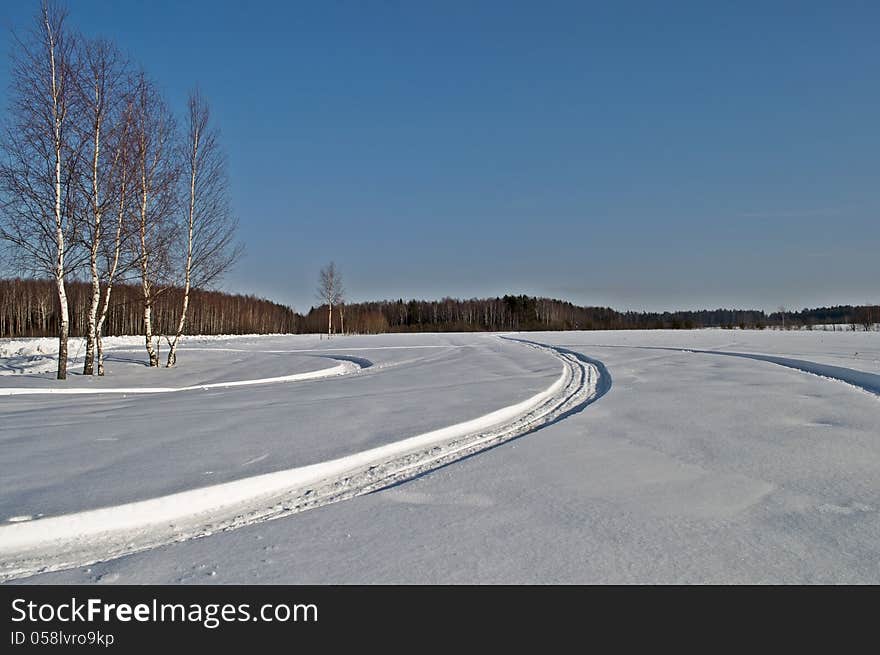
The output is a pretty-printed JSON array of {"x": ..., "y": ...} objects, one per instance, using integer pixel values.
[
  {"x": 131, "y": 527},
  {"x": 40, "y": 355},
  {"x": 167, "y": 443},
  {"x": 345, "y": 367},
  {"x": 697, "y": 462}
]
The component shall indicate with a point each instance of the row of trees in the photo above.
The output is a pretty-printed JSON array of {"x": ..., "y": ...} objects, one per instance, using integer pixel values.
[
  {"x": 97, "y": 181},
  {"x": 28, "y": 308},
  {"x": 863, "y": 317},
  {"x": 530, "y": 313},
  {"x": 522, "y": 312}
]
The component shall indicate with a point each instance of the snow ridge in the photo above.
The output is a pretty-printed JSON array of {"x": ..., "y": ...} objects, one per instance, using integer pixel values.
[{"x": 345, "y": 367}]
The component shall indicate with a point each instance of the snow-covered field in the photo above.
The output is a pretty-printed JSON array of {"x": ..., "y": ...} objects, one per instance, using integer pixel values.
[{"x": 661, "y": 456}]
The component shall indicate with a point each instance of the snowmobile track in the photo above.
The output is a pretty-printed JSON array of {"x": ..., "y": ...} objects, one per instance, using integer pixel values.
[{"x": 83, "y": 538}]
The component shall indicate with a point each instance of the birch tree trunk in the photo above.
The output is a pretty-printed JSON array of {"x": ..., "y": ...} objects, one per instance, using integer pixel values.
[
  {"x": 148, "y": 333},
  {"x": 195, "y": 134},
  {"x": 172, "y": 343},
  {"x": 91, "y": 335},
  {"x": 63, "y": 319},
  {"x": 103, "y": 89},
  {"x": 157, "y": 179},
  {"x": 58, "y": 115},
  {"x": 146, "y": 286},
  {"x": 99, "y": 346},
  {"x": 111, "y": 274},
  {"x": 99, "y": 328}
]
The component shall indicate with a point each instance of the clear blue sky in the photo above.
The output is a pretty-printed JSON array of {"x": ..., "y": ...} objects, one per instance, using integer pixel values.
[{"x": 642, "y": 155}]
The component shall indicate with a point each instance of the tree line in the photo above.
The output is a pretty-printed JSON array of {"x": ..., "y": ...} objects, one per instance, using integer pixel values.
[
  {"x": 98, "y": 182},
  {"x": 520, "y": 312},
  {"x": 28, "y": 308}
]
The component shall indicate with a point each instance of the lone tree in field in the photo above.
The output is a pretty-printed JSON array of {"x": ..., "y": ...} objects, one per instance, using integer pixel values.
[
  {"x": 330, "y": 291},
  {"x": 208, "y": 245},
  {"x": 38, "y": 172}
]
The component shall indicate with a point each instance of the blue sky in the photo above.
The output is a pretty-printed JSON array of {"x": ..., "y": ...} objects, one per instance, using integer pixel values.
[{"x": 642, "y": 155}]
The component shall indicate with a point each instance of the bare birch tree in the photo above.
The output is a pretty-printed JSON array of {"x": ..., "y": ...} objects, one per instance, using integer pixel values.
[
  {"x": 103, "y": 88},
  {"x": 330, "y": 291},
  {"x": 209, "y": 248},
  {"x": 42, "y": 156},
  {"x": 156, "y": 175},
  {"x": 121, "y": 182}
]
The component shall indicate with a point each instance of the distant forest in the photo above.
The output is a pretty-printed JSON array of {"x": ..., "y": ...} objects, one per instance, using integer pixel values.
[
  {"x": 28, "y": 308},
  {"x": 530, "y": 313}
]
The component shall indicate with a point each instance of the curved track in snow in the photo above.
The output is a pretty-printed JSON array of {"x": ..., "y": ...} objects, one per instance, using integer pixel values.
[
  {"x": 346, "y": 366},
  {"x": 869, "y": 382},
  {"x": 862, "y": 380},
  {"x": 86, "y": 537}
]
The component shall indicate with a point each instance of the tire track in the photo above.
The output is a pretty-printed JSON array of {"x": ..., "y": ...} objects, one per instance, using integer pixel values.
[
  {"x": 861, "y": 380},
  {"x": 83, "y": 538},
  {"x": 346, "y": 366}
]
